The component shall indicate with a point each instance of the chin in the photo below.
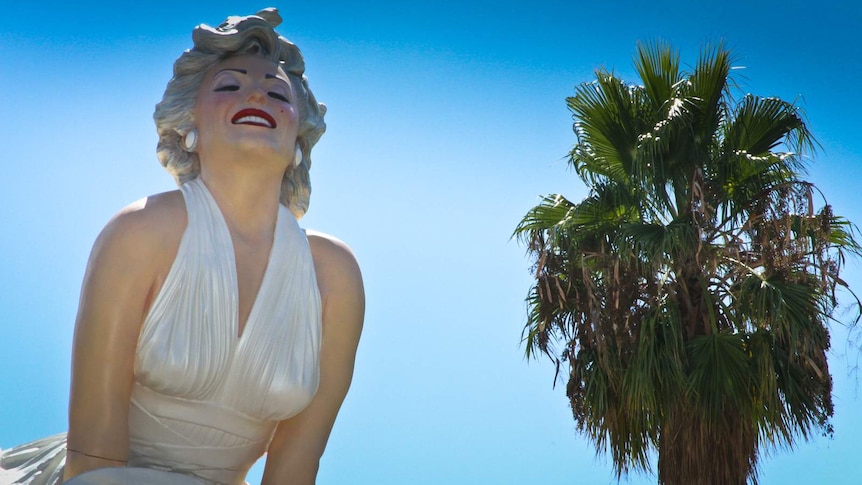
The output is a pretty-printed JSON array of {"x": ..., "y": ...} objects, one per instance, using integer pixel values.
[{"x": 260, "y": 150}]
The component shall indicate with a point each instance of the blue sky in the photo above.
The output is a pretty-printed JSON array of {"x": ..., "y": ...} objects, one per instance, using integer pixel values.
[{"x": 446, "y": 122}]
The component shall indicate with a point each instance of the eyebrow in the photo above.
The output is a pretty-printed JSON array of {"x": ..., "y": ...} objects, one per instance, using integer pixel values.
[{"x": 243, "y": 71}]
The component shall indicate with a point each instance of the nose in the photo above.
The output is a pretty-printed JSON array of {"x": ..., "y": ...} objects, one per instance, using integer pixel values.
[{"x": 256, "y": 95}]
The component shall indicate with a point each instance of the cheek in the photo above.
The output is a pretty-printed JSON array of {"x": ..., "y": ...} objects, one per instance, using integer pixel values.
[
  {"x": 292, "y": 117},
  {"x": 208, "y": 109}
]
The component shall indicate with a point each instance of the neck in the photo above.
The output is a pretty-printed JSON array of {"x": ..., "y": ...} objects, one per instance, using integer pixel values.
[{"x": 248, "y": 200}]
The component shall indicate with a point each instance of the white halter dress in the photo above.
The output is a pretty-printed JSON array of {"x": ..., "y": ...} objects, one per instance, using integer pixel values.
[{"x": 206, "y": 400}]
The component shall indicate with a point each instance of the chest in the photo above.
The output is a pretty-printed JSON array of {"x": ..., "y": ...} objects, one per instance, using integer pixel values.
[
  {"x": 251, "y": 263},
  {"x": 192, "y": 345}
]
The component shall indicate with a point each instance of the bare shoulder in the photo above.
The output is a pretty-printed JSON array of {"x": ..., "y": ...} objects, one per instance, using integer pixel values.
[
  {"x": 153, "y": 216},
  {"x": 338, "y": 273},
  {"x": 146, "y": 221},
  {"x": 146, "y": 231},
  {"x": 332, "y": 255}
]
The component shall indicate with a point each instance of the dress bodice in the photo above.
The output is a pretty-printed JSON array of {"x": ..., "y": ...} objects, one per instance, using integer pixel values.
[{"x": 206, "y": 399}]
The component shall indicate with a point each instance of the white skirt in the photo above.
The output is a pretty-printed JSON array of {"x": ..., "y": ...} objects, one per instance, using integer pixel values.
[
  {"x": 41, "y": 462},
  {"x": 38, "y": 462}
]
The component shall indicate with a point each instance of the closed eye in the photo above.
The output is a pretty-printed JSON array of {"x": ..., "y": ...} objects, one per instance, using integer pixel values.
[
  {"x": 278, "y": 96},
  {"x": 229, "y": 87}
]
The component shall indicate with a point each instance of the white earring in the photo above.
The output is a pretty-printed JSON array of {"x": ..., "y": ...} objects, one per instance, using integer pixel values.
[
  {"x": 297, "y": 157},
  {"x": 190, "y": 142}
]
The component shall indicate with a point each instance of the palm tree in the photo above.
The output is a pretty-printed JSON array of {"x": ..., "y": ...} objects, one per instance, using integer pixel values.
[{"x": 688, "y": 295}]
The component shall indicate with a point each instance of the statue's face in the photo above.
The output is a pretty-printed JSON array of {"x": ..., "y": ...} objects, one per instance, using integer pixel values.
[{"x": 245, "y": 102}]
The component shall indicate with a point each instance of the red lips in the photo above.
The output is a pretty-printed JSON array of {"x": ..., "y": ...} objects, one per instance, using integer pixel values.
[{"x": 254, "y": 117}]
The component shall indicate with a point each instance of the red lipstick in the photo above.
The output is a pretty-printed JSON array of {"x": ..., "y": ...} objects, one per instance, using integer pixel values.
[{"x": 254, "y": 117}]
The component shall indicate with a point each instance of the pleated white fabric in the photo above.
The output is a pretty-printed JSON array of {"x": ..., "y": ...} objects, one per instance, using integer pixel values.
[
  {"x": 39, "y": 462},
  {"x": 206, "y": 399}
]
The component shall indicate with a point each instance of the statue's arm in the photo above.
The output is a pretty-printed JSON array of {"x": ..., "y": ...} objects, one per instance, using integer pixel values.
[
  {"x": 117, "y": 287},
  {"x": 294, "y": 454}
]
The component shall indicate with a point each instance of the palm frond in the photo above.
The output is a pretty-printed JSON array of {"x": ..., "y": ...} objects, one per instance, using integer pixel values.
[
  {"x": 760, "y": 125},
  {"x": 607, "y": 112},
  {"x": 707, "y": 88},
  {"x": 657, "y": 64}
]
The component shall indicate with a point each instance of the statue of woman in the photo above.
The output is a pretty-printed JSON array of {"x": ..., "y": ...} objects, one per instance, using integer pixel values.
[{"x": 211, "y": 328}]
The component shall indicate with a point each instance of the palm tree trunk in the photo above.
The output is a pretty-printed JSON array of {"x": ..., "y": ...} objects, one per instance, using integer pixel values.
[{"x": 694, "y": 449}]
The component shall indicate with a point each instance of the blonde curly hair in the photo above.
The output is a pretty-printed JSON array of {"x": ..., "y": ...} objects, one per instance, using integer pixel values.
[{"x": 253, "y": 34}]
